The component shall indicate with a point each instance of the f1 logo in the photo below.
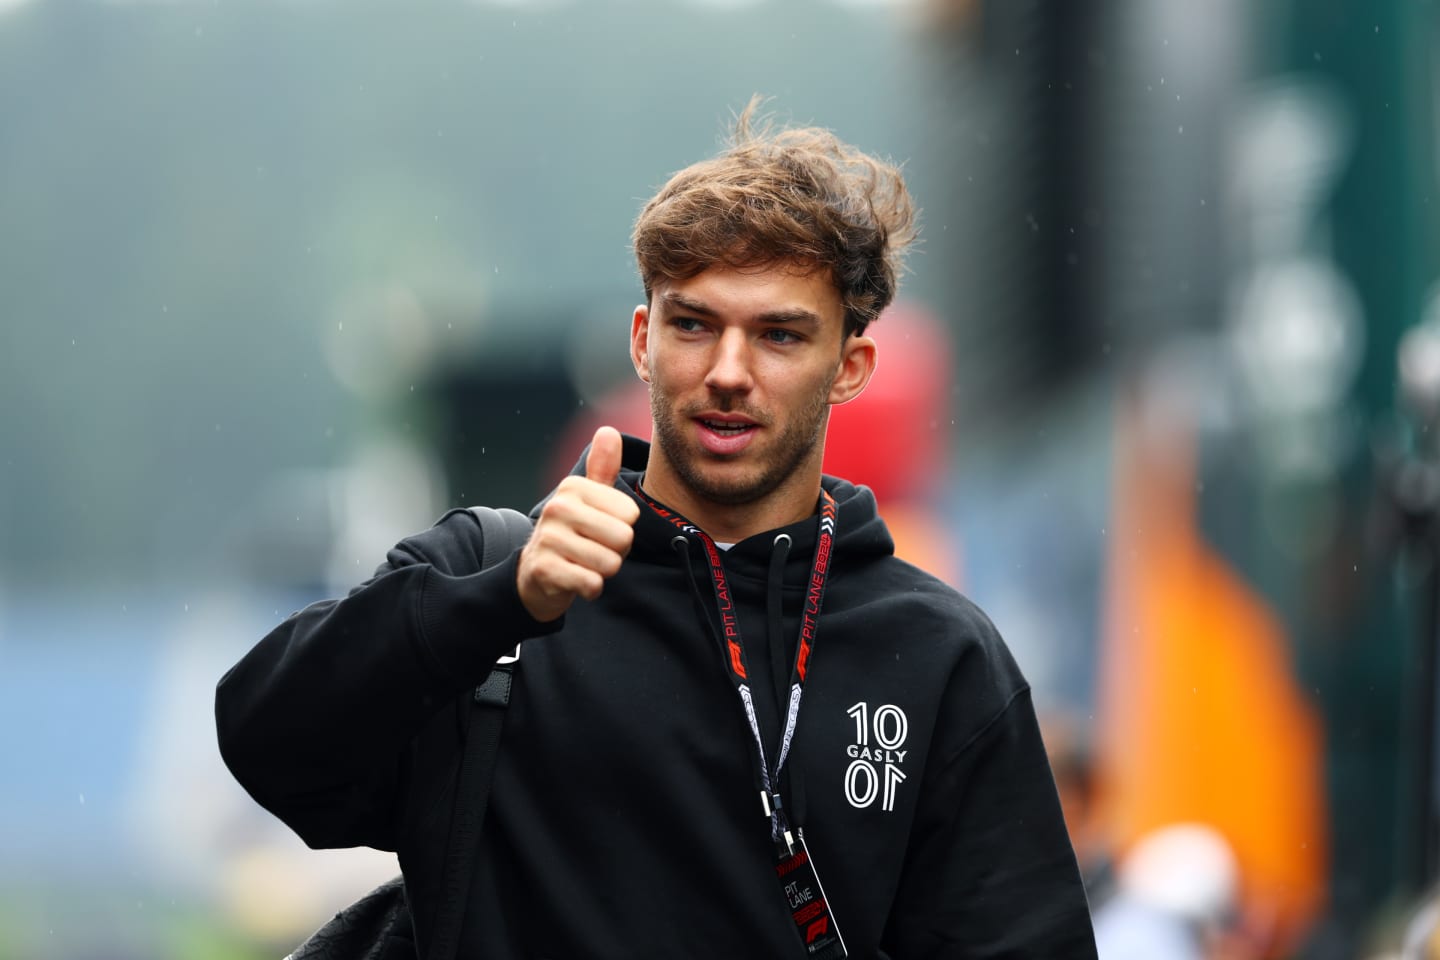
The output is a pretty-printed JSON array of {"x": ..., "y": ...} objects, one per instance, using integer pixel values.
[{"x": 817, "y": 929}]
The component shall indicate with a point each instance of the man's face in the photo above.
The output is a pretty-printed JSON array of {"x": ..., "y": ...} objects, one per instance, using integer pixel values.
[{"x": 743, "y": 366}]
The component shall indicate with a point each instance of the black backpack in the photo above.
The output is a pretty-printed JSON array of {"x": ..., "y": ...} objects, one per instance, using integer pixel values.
[{"x": 378, "y": 925}]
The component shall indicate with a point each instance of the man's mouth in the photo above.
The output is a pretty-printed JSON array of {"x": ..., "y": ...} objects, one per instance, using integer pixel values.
[
  {"x": 726, "y": 428},
  {"x": 725, "y": 435}
]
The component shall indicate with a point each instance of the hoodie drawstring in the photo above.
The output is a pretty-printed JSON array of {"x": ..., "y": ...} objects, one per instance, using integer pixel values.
[
  {"x": 774, "y": 626},
  {"x": 681, "y": 545},
  {"x": 775, "y": 637}
]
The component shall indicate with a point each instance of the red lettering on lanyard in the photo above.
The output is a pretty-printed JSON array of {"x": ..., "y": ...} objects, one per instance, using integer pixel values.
[
  {"x": 807, "y": 913},
  {"x": 793, "y": 863},
  {"x": 809, "y": 623},
  {"x": 729, "y": 626},
  {"x": 735, "y": 663}
]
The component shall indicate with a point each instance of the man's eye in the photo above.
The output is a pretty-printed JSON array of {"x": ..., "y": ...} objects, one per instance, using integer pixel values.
[
  {"x": 782, "y": 336},
  {"x": 686, "y": 324}
]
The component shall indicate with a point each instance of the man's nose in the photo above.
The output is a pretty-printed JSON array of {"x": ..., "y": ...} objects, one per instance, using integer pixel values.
[{"x": 730, "y": 364}]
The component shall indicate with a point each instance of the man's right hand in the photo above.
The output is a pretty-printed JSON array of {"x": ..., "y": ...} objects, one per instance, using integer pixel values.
[{"x": 584, "y": 532}]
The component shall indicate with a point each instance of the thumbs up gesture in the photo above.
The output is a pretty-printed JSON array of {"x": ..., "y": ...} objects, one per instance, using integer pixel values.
[{"x": 584, "y": 532}]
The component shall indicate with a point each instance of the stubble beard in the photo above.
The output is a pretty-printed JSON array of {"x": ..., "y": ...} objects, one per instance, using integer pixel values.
[{"x": 790, "y": 449}]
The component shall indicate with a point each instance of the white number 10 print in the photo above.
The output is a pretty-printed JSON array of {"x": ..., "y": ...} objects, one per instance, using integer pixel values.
[{"x": 863, "y": 779}]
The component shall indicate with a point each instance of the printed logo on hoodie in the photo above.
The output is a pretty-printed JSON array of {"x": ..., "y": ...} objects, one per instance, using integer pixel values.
[{"x": 877, "y": 756}]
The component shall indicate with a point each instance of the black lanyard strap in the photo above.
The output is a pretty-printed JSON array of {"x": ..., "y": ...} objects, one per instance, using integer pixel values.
[{"x": 733, "y": 650}]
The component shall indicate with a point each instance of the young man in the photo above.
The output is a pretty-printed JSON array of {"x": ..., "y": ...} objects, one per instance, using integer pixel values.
[{"x": 740, "y": 726}]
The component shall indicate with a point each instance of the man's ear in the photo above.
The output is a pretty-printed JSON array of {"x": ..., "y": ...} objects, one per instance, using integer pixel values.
[
  {"x": 640, "y": 341},
  {"x": 857, "y": 364}
]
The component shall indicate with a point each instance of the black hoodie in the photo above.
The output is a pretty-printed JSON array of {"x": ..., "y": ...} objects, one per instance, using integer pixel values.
[{"x": 623, "y": 818}]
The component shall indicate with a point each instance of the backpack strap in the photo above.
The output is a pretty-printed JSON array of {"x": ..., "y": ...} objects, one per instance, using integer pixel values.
[{"x": 504, "y": 531}]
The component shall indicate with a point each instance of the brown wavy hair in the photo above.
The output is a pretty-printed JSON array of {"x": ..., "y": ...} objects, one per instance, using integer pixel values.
[{"x": 793, "y": 194}]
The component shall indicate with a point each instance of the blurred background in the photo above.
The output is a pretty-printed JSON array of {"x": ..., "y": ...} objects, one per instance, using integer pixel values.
[{"x": 281, "y": 281}]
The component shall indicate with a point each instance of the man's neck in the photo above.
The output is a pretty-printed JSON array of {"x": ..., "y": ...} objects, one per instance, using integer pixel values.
[{"x": 731, "y": 523}]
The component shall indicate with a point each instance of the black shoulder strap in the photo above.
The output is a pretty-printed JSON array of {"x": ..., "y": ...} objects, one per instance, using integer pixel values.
[{"x": 503, "y": 531}]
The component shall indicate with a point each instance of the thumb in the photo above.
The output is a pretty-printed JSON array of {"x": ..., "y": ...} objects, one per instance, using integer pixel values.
[{"x": 602, "y": 464}]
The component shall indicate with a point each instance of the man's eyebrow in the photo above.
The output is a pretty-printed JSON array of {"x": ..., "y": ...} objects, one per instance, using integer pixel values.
[
  {"x": 678, "y": 301},
  {"x": 793, "y": 315}
]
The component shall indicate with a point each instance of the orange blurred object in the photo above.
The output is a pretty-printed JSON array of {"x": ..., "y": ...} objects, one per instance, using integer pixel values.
[{"x": 1200, "y": 717}]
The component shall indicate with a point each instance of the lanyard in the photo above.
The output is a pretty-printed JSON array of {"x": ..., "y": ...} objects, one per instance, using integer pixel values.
[{"x": 733, "y": 651}]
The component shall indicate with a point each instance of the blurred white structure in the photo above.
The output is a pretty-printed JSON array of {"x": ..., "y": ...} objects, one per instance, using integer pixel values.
[{"x": 1176, "y": 886}]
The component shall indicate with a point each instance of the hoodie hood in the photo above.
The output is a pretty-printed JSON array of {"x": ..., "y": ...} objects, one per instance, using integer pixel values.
[{"x": 860, "y": 533}]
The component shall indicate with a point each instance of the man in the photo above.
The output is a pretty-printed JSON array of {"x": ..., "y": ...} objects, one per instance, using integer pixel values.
[{"x": 740, "y": 726}]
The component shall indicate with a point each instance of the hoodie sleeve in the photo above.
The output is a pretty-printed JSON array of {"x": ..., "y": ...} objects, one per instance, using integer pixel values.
[
  {"x": 317, "y": 721},
  {"x": 991, "y": 873}
]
